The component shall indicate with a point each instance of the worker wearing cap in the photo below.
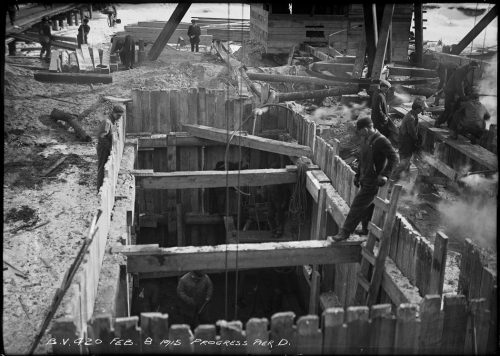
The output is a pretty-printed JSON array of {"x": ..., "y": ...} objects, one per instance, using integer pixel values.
[
  {"x": 470, "y": 118},
  {"x": 377, "y": 158},
  {"x": 194, "y": 33},
  {"x": 195, "y": 290},
  {"x": 45, "y": 37},
  {"x": 380, "y": 116},
  {"x": 105, "y": 141},
  {"x": 410, "y": 140},
  {"x": 83, "y": 32},
  {"x": 455, "y": 91}
]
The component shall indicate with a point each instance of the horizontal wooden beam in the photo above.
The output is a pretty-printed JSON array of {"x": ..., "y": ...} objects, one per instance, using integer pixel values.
[
  {"x": 263, "y": 255},
  {"x": 314, "y": 180},
  {"x": 73, "y": 78},
  {"x": 250, "y": 141},
  {"x": 412, "y": 71},
  {"x": 147, "y": 179}
]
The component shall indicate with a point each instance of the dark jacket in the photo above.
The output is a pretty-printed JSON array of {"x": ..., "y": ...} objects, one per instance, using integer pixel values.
[
  {"x": 460, "y": 82},
  {"x": 383, "y": 159},
  {"x": 472, "y": 114},
  {"x": 83, "y": 31},
  {"x": 195, "y": 290},
  {"x": 379, "y": 108},
  {"x": 445, "y": 71},
  {"x": 45, "y": 32},
  {"x": 194, "y": 30},
  {"x": 409, "y": 140}
]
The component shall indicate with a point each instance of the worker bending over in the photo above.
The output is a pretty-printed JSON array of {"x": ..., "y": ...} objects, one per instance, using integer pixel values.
[
  {"x": 379, "y": 115},
  {"x": 195, "y": 290},
  {"x": 457, "y": 87},
  {"x": 376, "y": 161},
  {"x": 410, "y": 140},
  {"x": 470, "y": 119},
  {"x": 105, "y": 141}
]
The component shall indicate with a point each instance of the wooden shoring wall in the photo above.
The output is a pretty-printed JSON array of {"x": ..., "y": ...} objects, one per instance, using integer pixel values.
[
  {"x": 77, "y": 305},
  {"x": 413, "y": 329},
  {"x": 412, "y": 253}
]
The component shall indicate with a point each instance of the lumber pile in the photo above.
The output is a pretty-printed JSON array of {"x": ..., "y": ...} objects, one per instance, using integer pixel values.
[{"x": 81, "y": 60}]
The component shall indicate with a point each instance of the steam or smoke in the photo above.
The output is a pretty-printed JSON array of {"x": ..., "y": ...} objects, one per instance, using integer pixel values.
[
  {"x": 260, "y": 111},
  {"x": 488, "y": 85}
]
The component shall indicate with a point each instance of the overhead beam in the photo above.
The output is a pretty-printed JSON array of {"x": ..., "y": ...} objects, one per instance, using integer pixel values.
[
  {"x": 251, "y": 255},
  {"x": 378, "y": 61},
  {"x": 476, "y": 30},
  {"x": 147, "y": 179},
  {"x": 168, "y": 30},
  {"x": 250, "y": 141},
  {"x": 419, "y": 33}
]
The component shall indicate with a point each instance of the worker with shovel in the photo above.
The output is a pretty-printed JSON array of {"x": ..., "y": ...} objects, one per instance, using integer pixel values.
[
  {"x": 377, "y": 158},
  {"x": 105, "y": 141},
  {"x": 470, "y": 119},
  {"x": 195, "y": 290}
]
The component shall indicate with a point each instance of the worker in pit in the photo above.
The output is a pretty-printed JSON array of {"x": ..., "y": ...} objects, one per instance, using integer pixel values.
[
  {"x": 470, "y": 119},
  {"x": 380, "y": 117},
  {"x": 195, "y": 291},
  {"x": 444, "y": 70},
  {"x": 410, "y": 140},
  {"x": 377, "y": 158},
  {"x": 83, "y": 32},
  {"x": 455, "y": 91},
  {"x": 106, "y": 132},
  {"x": 45, "y": 37},
  {"x": 194, "y": 33}
]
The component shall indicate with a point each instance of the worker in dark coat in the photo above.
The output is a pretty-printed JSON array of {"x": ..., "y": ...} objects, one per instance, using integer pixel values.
[
  {"x": 410, "y": 139},
  {"x": 105, "y": 141},
  {"x": 470, "y": 119},
  {"x": 377, "y": 158},
  {"x": 194, "y": 33},
  {"x": 45, "y": 38},
  {"x": 83, "y": 32},
  {"x": 127, "y": 53},
  {"x": 195, "y": 290},
  {"x": 455, "y": 90},
  {"x": 380, "y": 117},
  {"x": 444, "y": 70}
]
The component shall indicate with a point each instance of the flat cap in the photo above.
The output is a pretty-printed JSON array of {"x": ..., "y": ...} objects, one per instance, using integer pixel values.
[
  {"x": 385, "y": 83},
  {"x": 118, "y": 109},
  {"x": 363, "y": 122}
]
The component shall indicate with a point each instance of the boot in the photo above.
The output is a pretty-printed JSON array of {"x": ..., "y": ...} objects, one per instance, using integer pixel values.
[
  {"x": 363, "y": 231},
  {"x": 341, "y": 236}
]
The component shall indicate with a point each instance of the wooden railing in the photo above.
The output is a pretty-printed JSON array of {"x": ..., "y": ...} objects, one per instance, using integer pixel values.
[
  {"x": 77, "y": 305},
  {"x": 459, "y": 327}
]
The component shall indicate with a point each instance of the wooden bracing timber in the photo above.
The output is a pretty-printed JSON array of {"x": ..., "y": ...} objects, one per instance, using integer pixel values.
[
  {"x": 368, "y": 287},
  {"x": 378, "y": 62},
  {"x": 78, "y": 78},
  {"x": 145, "y": 259},
  {"x": 146, "y": 179},
  {"x": 250, "y": 141}
]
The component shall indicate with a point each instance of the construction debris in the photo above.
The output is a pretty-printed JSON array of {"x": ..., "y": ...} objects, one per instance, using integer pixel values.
[{"x": 71, "y": 120}]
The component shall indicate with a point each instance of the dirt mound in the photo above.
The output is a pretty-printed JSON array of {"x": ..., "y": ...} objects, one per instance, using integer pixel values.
[{"x": 25, "y": 214}]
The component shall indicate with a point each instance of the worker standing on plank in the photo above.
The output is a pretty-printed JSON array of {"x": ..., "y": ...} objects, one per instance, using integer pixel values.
[
  {"x": 455, "y": 90},
  {"x": 410, "y": 140},
  {"x": 45, "y": 37},
  {"x": 194, "y": 33},
  {"x": 444, "y": 70},
  {"x": 377, "y": 158},
  {"x": 105, "y": 141},
  {"x": 195, "y": 290},
  {"x": 380, "y": 117},
  {"x": 470, "y": 119},
  {"x": 83, "y": 32}
]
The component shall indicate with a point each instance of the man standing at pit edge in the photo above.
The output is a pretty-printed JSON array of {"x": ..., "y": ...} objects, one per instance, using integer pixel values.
[
  {"x": 194, "y": 33},
  {"x": 376, "y": 160},
  {"x": 105, "y": 141}
]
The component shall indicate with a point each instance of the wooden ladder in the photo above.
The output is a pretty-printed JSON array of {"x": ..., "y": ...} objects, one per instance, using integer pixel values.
[{"x": 368, "y": 287}]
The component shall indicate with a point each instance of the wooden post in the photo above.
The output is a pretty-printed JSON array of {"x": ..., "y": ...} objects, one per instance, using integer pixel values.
[
  {"x": 359, "y": 62},
  {"x": 90, "y": 11},
  {"x": 154, "y": 326},
  {"x": 476, "y": 339},
  {"x": 233, "y": 331},
  {"x": 55, "y": 26},
  {"x": 438, "y": 264},
  {"x": 100, "y": 328},
  {"x": 141, "y": 55},
  {"x": 12, "y": 48},
  {"x": 76, "y": 18},
  {"x": 183, "y": 333},
  {"x": 383, "y": 325},
  {"x": 358, "y": 329},
  {"x": 69, "y": 18},
  {"x": 371, "y": 33},
  {"x": 172, "y": 193},
  {"x": 205, "y": 332},
  {"x": 309, "y": 336},
  {"x": 256, "y": 329},
  {"x": 126, "y": 328},
  {"x": 454, "y": 324},
  {"x": 407, "y": 330},
  {"x": 314, "y": 292},
  {"x": 465, "y": 267},
  {"x": 378, "y": 62},
  {"x": 282, "y": 328},
  {"x": 61, "y": 23},
  {"x": 431, "y": 325},
  {"x": 82, "y": 14},
  {"x": 180, "y": 226},
  {"x": 334, "y": 331},
  {"x": 419, "y": 34},
  {"x": 168, "y": 30}
]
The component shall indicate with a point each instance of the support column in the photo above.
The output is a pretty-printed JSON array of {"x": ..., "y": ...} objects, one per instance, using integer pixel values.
[
  {"x": 76, "y": 18},
  {"x": 69, "y": 18},
  {"x": 82, "y": 14},
  {"x": 378, "y": 62},
  {"x": 419, "y": 34},
  {"x": 61, "y": 23},
  {"x": 90, "y": 11},
  {"x": 12, "y": 48},
  {"x": 371, "y": 33},
  {"x": 55, "y": 26}
]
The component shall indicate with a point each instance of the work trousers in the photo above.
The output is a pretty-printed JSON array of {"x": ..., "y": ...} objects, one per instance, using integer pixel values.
[
  {"x": 404, "y": 166},
  {"x": 103, "y": 151},
  {"x": 449, "y": 108},
  {"x": 45, "y": 49},
  {"x": 195, "y": 44},
  {"x": 361, "y": 208}
]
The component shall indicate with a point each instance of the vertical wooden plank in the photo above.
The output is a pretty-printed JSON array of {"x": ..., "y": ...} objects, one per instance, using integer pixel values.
[
  {"x": 133, "y": 121},
  {"x": 309, "y": 336},
  {"x": 426, "y": 267},
  {"x": 382, "y": 329},
  {"x": 476, "y": 271},
  {"x": 431, "y": 325},
  {"x": 220, "y": 107},
  {"x": 165, "y": 121},
  {"x": 488, "y": 280},
  {"x": 210, "y": 108},
  {"x": 172, "y": 193},
  {"x": 314, "y": 292},
  {"x": 407, "y": 330},
  {"x": 154, "y": 111},
  {"x": 126, "y": 328},
  {"x": 146, "y": 124},
  {"x": 238, "y": 113},
  {"x": 232, "y": 331},
  {"x": 257, "y": 336},
  {"x": 181, "y": 240},
  {"x": 334, "y": 331},
  {"x": 100, "y": 328},
  {"x": 403, "y": 232},
  {"x": 312, "y": 134},
  {"x": 183, "y": 333},
  {"x": 438, "y": 264},
  {"x": 61, "y": 329},
  {"x": 202, "y": 106},
  {"x": 465, "y": 267},
  {"x": 154, "y": 327},
  {"x": 476, "y": 337},
  {"x": 454, "y": 324},
  {"x": 282, "y": 328},
  {"x": 412, "y": 260},
  {"x": 493, "y": 333},
  {"x": 192, "y": 108},
  {"x": 184, "y": 96},
  {"x": 205, "y": 333},
  {"x": 174, "y": 110},
  {"x": 358, "y": 330}
]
